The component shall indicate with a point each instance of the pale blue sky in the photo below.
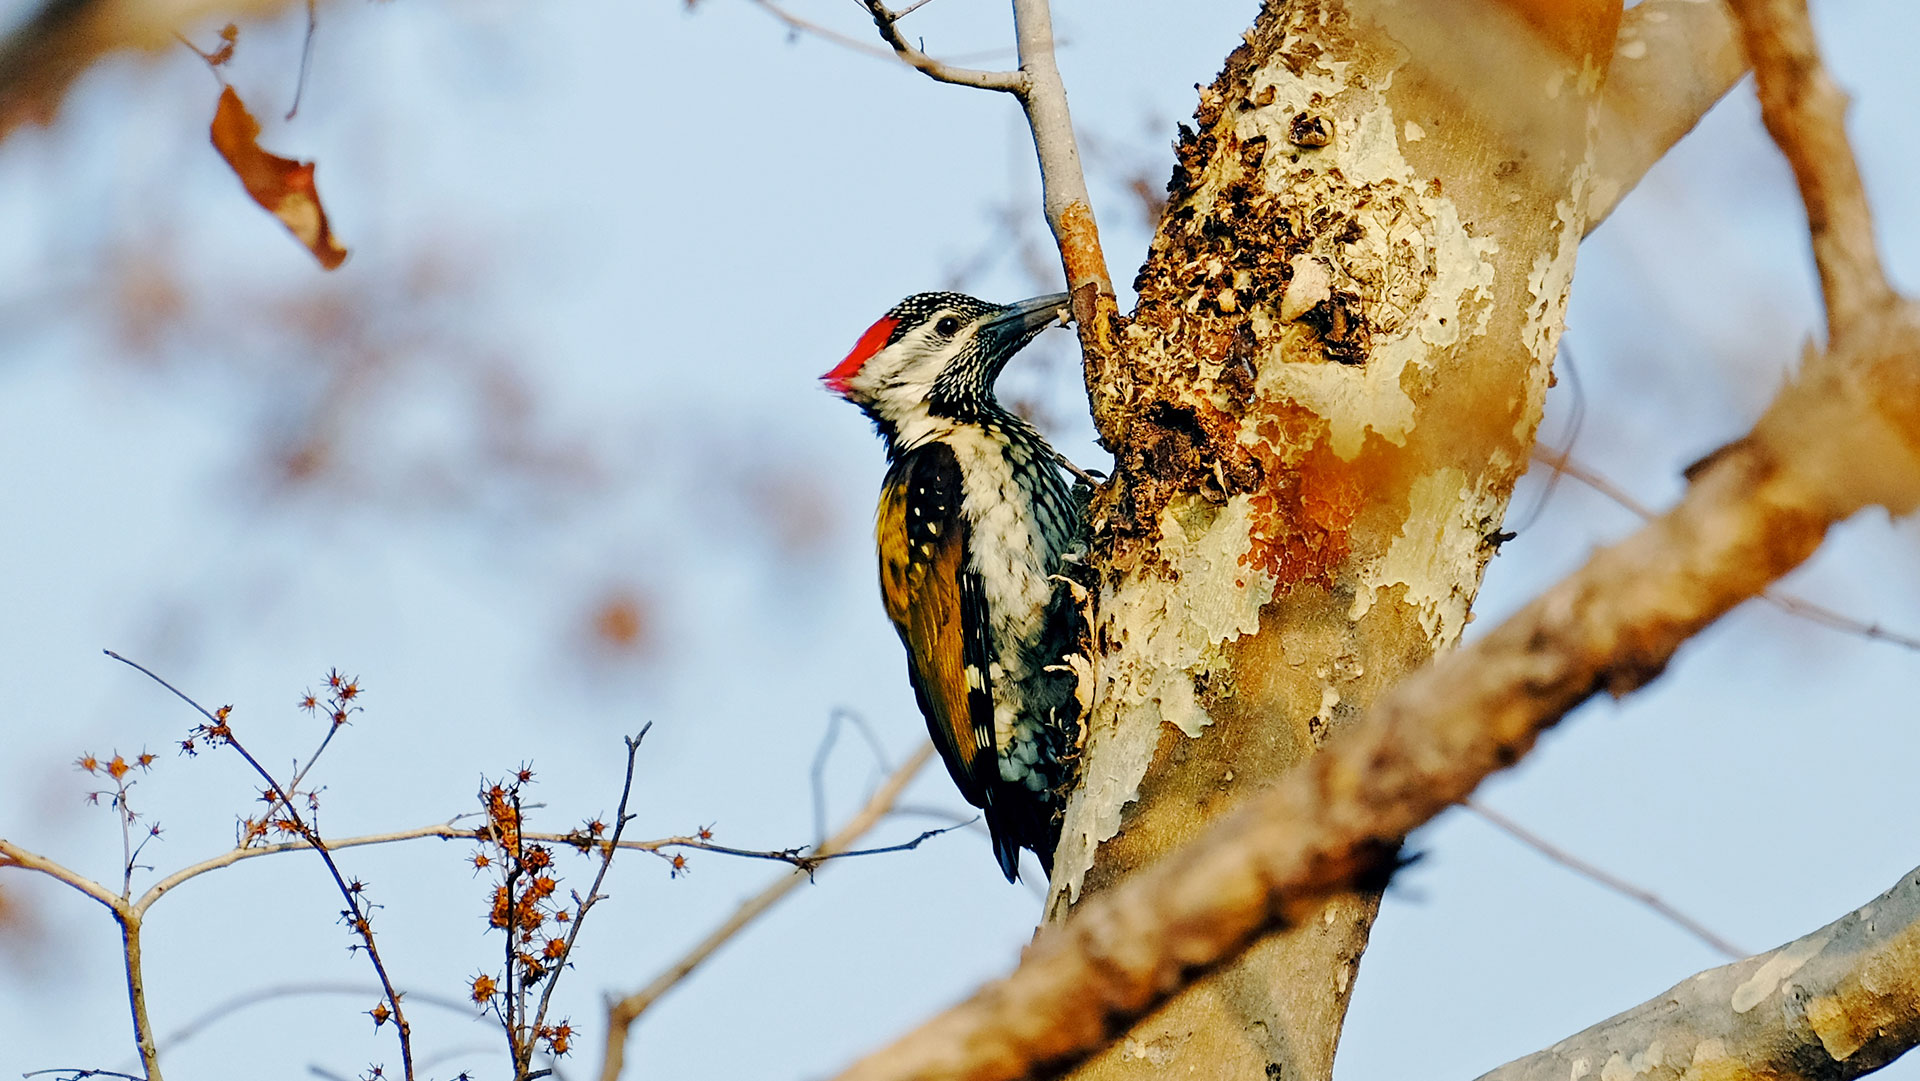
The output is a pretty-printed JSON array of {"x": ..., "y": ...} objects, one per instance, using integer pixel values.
[{"x": 663, "y": 226}]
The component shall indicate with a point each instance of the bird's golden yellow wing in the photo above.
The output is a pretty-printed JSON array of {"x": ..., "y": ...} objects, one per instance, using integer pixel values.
[{"x": 937, "y": 605}]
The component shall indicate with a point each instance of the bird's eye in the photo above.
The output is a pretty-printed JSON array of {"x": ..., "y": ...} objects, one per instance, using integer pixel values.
[{"x": 947, "y": 327}]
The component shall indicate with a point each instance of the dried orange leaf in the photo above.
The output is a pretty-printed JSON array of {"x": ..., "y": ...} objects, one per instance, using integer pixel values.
[
  {"x": 229, "y": 37},
  {"x": 281, "y": 185}
]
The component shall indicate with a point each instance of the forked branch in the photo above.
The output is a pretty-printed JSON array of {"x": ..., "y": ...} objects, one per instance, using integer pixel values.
[
  {"x": 1807, "y": 115},
  {"x": 357, "y": 914},
  {"x": 1069, "y": 208},
  {"x": 888, "y": 23}
]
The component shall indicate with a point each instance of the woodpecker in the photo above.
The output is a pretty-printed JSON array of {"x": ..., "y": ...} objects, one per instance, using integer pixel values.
[{"x": 975, "y": 519}]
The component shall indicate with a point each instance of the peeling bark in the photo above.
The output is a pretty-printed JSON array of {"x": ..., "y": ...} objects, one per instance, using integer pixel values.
[{"x": 1346, "y": 327}]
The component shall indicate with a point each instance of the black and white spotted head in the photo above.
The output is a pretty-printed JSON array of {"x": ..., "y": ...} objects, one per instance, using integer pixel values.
[{"x": 936, "y": 355}]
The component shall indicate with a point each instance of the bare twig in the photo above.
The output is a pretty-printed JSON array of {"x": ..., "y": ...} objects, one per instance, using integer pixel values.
[
  {"x": 1555, "y": 462},
  {"x": 817, "y": 777},
  {"x": 593, "y": 896},
  {"x": 801, "y": 857},
  {"x": 361, "y": 923},
  {"x": 888, "y": 23},
  {"x": 622, "y": 1013},
  {"x": 130, "y": 927},
  {"x": 227, "y": 1009},
  {"x": 1806, "y": 114},
  {"x": 1839, "y": 621},
  {"x": 798, "y": 25},
  {"x": 806, "y": 26},
  {"x": 128, "y": 917},
  {"x": 1605, "y": 879},
  {"x": 1064, "y": 184},
  {"x": 306, "y": 58},
  {"x": 12, "y": 855},
  {"x": 1069, "y": 208}
]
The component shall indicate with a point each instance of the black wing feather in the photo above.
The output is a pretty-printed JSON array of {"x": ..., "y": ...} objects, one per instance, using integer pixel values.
[{"x": 938, "y": 605}]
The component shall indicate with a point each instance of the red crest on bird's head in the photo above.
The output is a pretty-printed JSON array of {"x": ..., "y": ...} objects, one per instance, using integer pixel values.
[{"x": 874, "y": 340}]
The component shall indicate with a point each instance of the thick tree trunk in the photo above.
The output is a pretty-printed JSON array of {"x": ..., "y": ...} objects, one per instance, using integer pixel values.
[{"x": 1319, "y": 409}]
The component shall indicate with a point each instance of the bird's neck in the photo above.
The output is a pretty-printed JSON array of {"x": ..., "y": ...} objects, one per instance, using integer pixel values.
[{"x": 919, "y": 424}]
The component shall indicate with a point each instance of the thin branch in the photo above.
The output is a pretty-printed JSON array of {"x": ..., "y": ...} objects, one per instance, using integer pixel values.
[
  {"x": 1605, "y": 879},
  {"x": 1063, "y": 182},
  {"x": 361, "y": 923},
  {"x": 1790, "y": 603},
  {"x": 821, "y": 754},
  {"x": 137, "y": 996},
  {"x": 801, "y": 857},
  {"x": 177, "y": 692},
  {"x": 888, "y": 23},
  {"x": 622, "y": 1013},
  {"x": 799, "y": 25},
  {"x": 1069, "y": 208},
  {"x": 227, "y": 1009},
  {"x": 1556, "y": 463},
  {"x": 306, "y": 58},
  {"x": 1807, "y": 115},
  {"x": 12, "y": 855},
  {"x": 1839, "y": 621},
  {"x": 620, "y": 820},
  {"x": 128, "y": 917},
  {"x": 803, "y": 26}
]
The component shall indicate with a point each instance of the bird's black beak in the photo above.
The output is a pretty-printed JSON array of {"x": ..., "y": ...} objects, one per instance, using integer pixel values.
[{"x": 1021, "y": 321}]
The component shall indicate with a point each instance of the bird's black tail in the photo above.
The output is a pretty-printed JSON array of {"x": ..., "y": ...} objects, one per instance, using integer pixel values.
[{"x": 1017, "y": 820}]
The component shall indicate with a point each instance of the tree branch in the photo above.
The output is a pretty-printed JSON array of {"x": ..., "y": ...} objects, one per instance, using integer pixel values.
[
  {"x": 128, "y": 917},
  {"x": 1792, "y": 604},
  {"x": 888, "y": 23},
  {"x": 585, "y": 904},
  {"x": 799, "y": 25},
  {"x": 12, "y": 855},
  {"x": 1806, "y": 113},
  {"x": 217, "y": 732},
  {"x": 1069, "y": 207},
  {"x": 1605, "y": 879},
  {"x": 1838, "y": 1003},
  {"x": 622, "y": 1013},
  {"x": 451, "y": 831},
  {"x": 1672, "y": 61},
  {"x": 137, "y": 995}
]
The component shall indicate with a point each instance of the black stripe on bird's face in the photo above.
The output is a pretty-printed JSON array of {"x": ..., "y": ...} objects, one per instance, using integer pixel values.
[{"x": 965, "y": 386}]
